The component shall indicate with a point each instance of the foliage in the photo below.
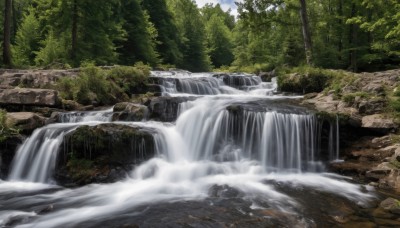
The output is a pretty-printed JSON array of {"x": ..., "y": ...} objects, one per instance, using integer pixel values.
[
  {"x": 99, "y": 86},
  {"x": 358, "y": 35},
  {"x": 26, "y": 40},
  {"x": 5, "y": 130},
  {"x": 192, "y": 32},
  {"x": 307, "y": 79}
]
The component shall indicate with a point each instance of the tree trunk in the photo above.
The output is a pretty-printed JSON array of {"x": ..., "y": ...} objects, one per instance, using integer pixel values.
[
  {"x": 7, "y": 34},
  {"x": 340, "y": 22},
  {"x": 353, "y": 36},
  {"x": 74, "y": 33},
  {"x": 306, "y": 31}
]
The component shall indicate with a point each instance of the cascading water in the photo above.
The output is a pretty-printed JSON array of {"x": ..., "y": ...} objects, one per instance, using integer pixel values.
[
  {"x": 228, "y": 155},
  {"x": 36, "y": 159},
  {"x": 211, "y": 84}
]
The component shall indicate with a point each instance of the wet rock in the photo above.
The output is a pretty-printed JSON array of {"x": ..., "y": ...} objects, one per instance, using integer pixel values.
[
  {"x": 34, "y": 97},
  {"x": 379, "y": 123},
  {"x": 130, "y": 112},
  {"x": 166, "y": 108},
  {"x": 25, "y": 121},
  {"x": 103, "y": 153},
  {"x": 378, "y": 174},
  {"x": 392, "y": 205},
  {"x": 8, "y": 148}
]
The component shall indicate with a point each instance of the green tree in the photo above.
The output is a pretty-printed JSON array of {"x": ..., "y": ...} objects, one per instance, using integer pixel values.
[
  {"x": 219, "y": 42},
  {"x": 192, "y": 31},
  {"x": 7, "y": 33},
  {"x": 141, "y": 34},
  {"x": 168, "y": 39},
  {"x": 26, "y": 40}
]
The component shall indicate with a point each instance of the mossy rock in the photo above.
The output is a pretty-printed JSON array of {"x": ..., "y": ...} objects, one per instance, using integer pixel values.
[{"x": 90, "y": 153}]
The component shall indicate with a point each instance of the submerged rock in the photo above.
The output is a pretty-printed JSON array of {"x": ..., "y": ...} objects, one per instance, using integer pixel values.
[{"x": 103, "y": 153}]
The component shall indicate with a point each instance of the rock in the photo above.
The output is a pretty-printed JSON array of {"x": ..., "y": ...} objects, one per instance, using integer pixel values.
[
  {"x": 392, "y": 205},
  {"x": 25, "y": 121},
  {"x": 377, "y": 174},
  {"x": 267, "y": 76},
  {"x": 126, "y": 111},
  {"x": 166, "y": 108},
  {"x": 378, "y": 123},
  {"x": 33, "y": 97},
  {"x": 372, "y": 106},
  {"x": 8, "y": 148},
  {"x": 91, "y": 153},
  {"x": 33, "y": 78}
]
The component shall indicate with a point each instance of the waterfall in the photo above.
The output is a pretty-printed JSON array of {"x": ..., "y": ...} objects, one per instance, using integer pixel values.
[
  {"x": 210, "y": 84},
  {"x": 243, "y": 151},
  {"x": 280, "y": 141},
  {"x": 36, "y": 158}
]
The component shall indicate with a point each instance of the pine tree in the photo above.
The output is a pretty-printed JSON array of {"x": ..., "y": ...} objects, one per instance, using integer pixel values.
[
  {"x": 26, "y": 40},
  {"x": 168, "y": 40}
]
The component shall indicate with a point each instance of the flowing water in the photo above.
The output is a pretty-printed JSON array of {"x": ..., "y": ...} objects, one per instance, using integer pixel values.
[{"x": 237, "y": 156}]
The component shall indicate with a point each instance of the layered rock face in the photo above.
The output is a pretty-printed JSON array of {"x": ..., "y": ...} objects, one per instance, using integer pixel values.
[{"x": 32, "y": 97}]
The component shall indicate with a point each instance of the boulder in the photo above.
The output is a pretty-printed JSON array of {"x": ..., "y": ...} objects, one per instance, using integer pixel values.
[
  {"x": 8, "y": 148},
  {"x": 25, "y": 121},
  {"x": 126, "y": 111},
  {"x": 372, "y": 106},
  {"x": 166, "y": 108},
  {"x": 379, "y": 123},
  {"x": 33, "y": 78},
  {"x": 392, "y": 205},
  {"x": 103, "y": 153},
  {"x": 33, "y": 97}
]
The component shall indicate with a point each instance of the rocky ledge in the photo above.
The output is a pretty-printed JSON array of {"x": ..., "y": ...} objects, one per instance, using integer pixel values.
[
  {"x": 103, "y": 153},
  {"x": 370, "y": 145}
]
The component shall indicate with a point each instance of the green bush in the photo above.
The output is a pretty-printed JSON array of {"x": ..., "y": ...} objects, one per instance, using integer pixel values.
[
  {"x": 307, "y": 79},
  {"x": 103, "y": 86},
  {"x": 5, "y": 130},
  {"x": 129, "y": 78}
]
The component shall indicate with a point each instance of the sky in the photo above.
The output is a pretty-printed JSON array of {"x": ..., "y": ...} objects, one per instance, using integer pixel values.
[{"x": 225, "y": 4}]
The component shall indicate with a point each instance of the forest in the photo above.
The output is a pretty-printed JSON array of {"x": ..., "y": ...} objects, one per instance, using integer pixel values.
[{"x": 354, "y": 35}]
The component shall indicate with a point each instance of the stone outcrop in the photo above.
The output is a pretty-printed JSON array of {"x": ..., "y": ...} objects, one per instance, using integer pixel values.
[
  {"x": 25, "y": 121},
  {"x": 33, "y": 78},
  {"x": 379, "y": 122},
  {"x": 127, "y": 111},
  {"x": 29, "y": 97},
  {"x": 103, "y": 153},
  {"x": 166, "y": 108},
  {"x": 373, "y": 160}
]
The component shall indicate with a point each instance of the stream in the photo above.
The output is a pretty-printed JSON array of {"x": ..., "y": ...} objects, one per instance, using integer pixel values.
[{"x": 238, "y": 155}]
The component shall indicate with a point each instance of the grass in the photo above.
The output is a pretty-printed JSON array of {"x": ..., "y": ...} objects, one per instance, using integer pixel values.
[{"x": 103, "y": 86}]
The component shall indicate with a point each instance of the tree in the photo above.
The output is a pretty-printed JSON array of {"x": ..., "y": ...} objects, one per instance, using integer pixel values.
[
  {"x": 168, "y": 39},
  {"x": 26, "y": 40},
  {"x": 306, "y": 31},
  {"x": 192, "y": 31},
  {"x": 139, "y": 44},
  {"x": 7, "y": 33},
  {"x": 219, "y": 42}
]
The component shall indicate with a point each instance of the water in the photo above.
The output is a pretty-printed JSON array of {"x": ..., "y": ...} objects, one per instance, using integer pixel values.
[
  {"x": 229, "y": 156},
  {"x": 36, "y": 159}
]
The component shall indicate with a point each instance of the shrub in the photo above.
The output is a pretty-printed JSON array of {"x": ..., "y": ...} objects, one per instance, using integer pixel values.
[
  {"x": 103, "y": 86},
  {"x": 5, "y": 130}
]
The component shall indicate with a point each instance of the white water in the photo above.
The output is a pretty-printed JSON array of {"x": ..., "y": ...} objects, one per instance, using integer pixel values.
[
  {"x": 36, "y": 159},
  {"x": 211, "y": 143}
]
